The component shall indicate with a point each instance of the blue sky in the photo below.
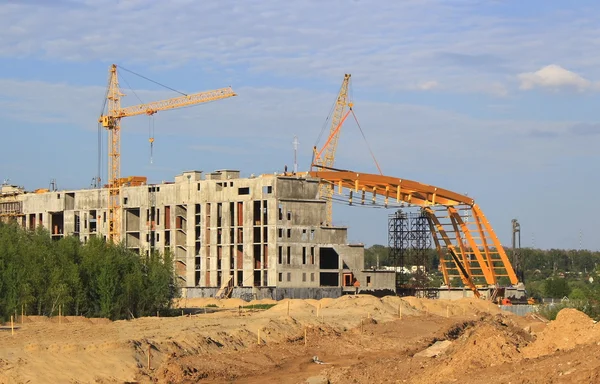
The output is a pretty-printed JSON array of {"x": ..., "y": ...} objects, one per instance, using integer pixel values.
[{"x": 497, "y": 99}]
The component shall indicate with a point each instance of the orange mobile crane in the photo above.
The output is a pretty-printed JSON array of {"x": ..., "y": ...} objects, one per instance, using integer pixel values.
[
  {"x": 111, "y": 120},
  {"x": 469, "y": 251}
]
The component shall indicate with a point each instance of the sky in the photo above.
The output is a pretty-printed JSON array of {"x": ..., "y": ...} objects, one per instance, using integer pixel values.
[{"x": 497, "y": 99}]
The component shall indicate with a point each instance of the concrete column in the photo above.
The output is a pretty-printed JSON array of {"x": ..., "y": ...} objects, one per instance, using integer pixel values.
[{"x": 190, "y": 244}]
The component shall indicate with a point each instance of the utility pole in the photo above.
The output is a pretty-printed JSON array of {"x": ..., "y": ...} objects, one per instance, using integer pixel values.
[{"x": 516, "y": 250}]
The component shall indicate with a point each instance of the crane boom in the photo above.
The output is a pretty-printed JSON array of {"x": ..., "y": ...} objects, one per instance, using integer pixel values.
[
  {"x": 177, "y": 102},
  {"x": 326, "y": 156},
  {"x": 112, "y": 122}
]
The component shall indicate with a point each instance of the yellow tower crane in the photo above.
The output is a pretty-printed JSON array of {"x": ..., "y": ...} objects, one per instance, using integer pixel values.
[
  {"x": 112, "y": 122},
  {"x": 324, "y": 159}
]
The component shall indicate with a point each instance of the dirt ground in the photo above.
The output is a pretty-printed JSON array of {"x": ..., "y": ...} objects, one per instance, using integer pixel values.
[{"x": 354, "y": 339}]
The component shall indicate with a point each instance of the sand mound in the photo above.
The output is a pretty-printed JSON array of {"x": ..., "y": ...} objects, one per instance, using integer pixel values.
[
  {"x": 197, "y": 302},
  {"x": 570, "y": 329},
  {"x": 33, "y": 319},
  {"x": 326, "y": 301},
  {"x": 63, "y": 320},
  {"x": 414, "y": 302},
  {"x": 99, "y": 320},
  {"x": 487, "y": 345},
  {"x": 393, "y": 303},
  {"x": 473, "y": 305},
  {"x": 461, "y": 307},
  {"x": 479, "y": 345},
  {"x": 313, "y": 302},
  {"x": 354, "y": 301},
  {"x": 233, "y": 303},
  {"x": 296, "y": 307},
  {"x": 262, "y": 301},
  {"x": 436, "y": 307}
]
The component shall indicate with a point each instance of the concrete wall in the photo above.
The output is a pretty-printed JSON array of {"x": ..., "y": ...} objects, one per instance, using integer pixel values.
[{"x": 275, "y": 293}]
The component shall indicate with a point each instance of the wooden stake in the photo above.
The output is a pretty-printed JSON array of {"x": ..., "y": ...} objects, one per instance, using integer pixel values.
[
  {"x": 305, "y": 337},
  {"x": 22, "y": 312},
  {"x": 182, "y": 312},
  {"x": 157, "y": 314},
  {"x": 149, "y": 353},
  {"x": 239, "y": 310},
  {"x": 59, "y": 320},
  {"x": 258, "y": 336},
  {"x": 12, "y": 326},
  {"x": 368, "y": 315},
  {"x": 288, "y": 309}
]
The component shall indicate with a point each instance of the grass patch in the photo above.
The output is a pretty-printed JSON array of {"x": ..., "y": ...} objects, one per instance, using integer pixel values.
[{"x": 258, "y": 306}]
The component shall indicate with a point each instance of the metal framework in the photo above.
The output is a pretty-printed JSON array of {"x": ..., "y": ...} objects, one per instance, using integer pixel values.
[
  {"x": 469, "y": 250},
  {"x": 409, "y": 239},
  {"x": 111, "y": 120},
  {"x": 326, "y": 156}
]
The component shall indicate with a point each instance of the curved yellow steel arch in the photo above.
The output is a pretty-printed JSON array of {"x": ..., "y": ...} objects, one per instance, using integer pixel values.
[{"x": 469, "y": 250}]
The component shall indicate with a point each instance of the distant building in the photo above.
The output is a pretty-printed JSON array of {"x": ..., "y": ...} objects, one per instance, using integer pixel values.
[{"x": 253, "y": 237}]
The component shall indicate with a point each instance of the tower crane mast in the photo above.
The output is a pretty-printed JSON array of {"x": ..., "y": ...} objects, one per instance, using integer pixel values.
[
  {"x": 111, "y": 120},
  {"x": 325, "y": 158}
]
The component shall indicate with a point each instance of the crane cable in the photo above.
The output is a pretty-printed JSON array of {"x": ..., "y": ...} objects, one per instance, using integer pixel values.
[
  {"x": 152, "y": 81},
  {"x": 151, "y": 117},
  {"x": 328, "y": 116},
  {"x": 366, "y": 142}
]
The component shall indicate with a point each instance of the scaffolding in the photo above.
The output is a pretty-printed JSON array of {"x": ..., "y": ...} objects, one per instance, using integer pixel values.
[{"x": 409, "y": 240}]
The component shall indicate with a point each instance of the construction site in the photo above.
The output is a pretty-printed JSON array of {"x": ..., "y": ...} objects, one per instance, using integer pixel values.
[
  {"x": 271, "y": 235},
  {"x": 272, "y": 290}
]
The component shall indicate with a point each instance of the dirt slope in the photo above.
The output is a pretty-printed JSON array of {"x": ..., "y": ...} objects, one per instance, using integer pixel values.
[{"x": 361, "y": 338}]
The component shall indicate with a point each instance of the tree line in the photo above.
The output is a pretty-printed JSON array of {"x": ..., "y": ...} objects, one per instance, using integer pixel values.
[{"x": 97, "y": 279}]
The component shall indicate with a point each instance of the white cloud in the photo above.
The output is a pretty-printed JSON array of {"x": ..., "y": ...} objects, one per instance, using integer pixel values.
[
  {"x": 387, "y": 46},
  {"x": 428, "y": 85},
  {"x": 253, "y": 132},
  {"x": 553, "y": 77}
]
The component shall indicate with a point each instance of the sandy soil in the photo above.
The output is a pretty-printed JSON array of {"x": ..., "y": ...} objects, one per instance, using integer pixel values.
[{"x": 362, "y": 339}]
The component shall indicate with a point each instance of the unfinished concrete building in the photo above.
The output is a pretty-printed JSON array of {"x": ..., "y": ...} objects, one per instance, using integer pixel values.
[{"x": 245, "y": 237}]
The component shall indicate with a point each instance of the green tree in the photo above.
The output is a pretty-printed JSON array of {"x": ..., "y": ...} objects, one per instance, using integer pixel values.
[
  {"x": 556, "y": 288},
  {"x": 95, "y": 279},
  {"x": 577, "y": 294}
]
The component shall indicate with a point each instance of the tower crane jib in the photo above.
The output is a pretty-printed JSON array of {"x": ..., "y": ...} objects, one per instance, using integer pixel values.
[{"x": 112, "y": 122}]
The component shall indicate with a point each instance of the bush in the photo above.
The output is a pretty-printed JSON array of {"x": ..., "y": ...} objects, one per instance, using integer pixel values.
[{"x": 549, "y": 311}]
